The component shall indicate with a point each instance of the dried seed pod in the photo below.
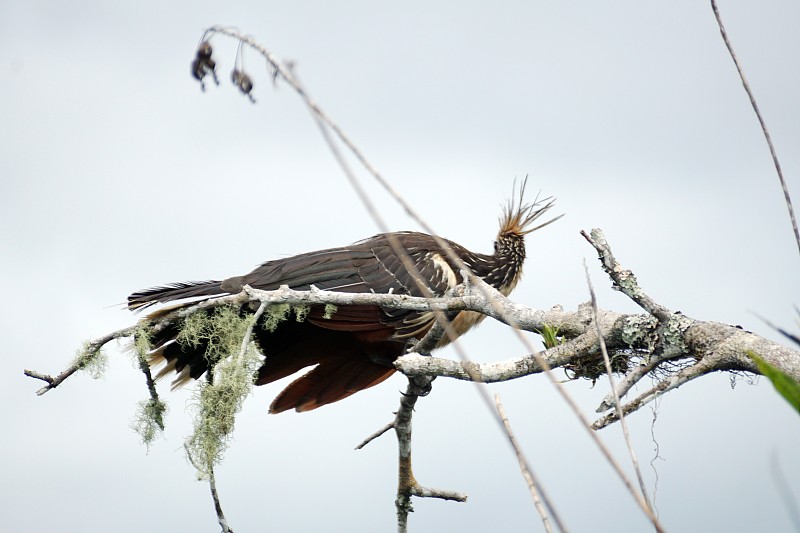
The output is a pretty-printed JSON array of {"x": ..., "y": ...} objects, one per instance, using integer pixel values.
[
  {"x": 243, "y": 82},
  {"x": 204, "y": 50},
  {"x": 204, "y": 65},
  {"x": 197, "y": 69}
]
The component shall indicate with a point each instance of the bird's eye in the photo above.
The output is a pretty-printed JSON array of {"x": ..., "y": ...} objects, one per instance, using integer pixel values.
[{"x": 496, "y": 246}]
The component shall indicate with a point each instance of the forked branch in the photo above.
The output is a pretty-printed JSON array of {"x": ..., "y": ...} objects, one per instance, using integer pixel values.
[{"x": 678, "y": 349}]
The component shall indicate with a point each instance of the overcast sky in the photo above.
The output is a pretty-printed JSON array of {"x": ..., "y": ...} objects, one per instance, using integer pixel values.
[{"x": 118, "y": 173}]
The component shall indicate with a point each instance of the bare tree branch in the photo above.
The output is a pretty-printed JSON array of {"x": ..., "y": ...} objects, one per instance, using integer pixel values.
[
  {"x": 649, "y": 345},
  {"x": 407, "y": 485},
  {"x": 721, "y": 346},
  {"x": 624, "y": 280}
]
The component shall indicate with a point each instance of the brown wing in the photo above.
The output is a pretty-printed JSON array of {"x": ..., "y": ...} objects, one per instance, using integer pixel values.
[
  {"x": 352, "y": 349},
  {"x": 367, "y": 266},
  {"x": 355, "y": 347}
]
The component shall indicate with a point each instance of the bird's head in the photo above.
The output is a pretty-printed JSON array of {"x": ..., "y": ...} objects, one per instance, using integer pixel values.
[{"x": 517, "y": 220}]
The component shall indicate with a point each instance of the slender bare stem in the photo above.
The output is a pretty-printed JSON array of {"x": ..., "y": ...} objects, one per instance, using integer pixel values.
[
  {"x": 212, "y": 483},
  {"x": 407, "y": 484},
  {"x": 613, "y": 386},
  {"x": 320, "y": 117},
  {"x": 785, "y": 490},
  {"x": 527, "y": 474},
  {"x": 375, "y": 435},
  {"x": 761, "y": 121}
]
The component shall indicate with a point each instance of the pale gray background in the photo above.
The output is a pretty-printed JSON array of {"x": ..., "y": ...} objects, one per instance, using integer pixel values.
[{"x": 118, "y": 173}]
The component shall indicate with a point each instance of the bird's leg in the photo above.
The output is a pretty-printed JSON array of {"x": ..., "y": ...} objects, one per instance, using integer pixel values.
[{"x": 422, "y": 385}]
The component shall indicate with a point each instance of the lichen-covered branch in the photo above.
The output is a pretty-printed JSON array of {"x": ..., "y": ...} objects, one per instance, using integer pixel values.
[
  {"x": 638, "y": 344},
  {"x": 89, "y": 350},
  {"x": 623, "y": 279},
  {"x": 671, "y": 347}
]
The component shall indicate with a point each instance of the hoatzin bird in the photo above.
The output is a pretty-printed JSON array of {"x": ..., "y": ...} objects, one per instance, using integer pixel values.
[{"x": 354, "y": 348}]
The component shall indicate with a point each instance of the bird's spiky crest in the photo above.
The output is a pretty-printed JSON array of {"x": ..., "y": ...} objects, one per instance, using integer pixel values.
[{"x": 518, "y": 216}]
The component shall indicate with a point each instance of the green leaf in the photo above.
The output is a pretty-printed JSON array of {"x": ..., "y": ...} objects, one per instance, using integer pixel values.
[
  {"x": 785, "y": 384},
  {"x": 550, "y": 337}
]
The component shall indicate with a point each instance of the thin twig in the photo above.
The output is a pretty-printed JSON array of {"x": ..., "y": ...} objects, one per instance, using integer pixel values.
[
  {"x": 151, "y": 384},
  {"x": 321, "y": 117},
  {"x": 785, "y": 490},
  {"x": 375, "y": 435},
  {"x": 212, "y": 483},
  {"x": 788, "y": 334},
  {"x": 403, "y": 506},
  {"x": 705, "y": 366},
  {"x": 402, "y": 503},
  {"x": 144, "y": 366},
  {"x": 403, "y": 499},
  {"x": 613, "y": 386},
  {"x": 761, "y": 121},
  {"x": 527, "y": 474},
  {"x": 630, "y": 379},
  {"x": 92, "y": 346},
  {"x": 324, "y": 122}
]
